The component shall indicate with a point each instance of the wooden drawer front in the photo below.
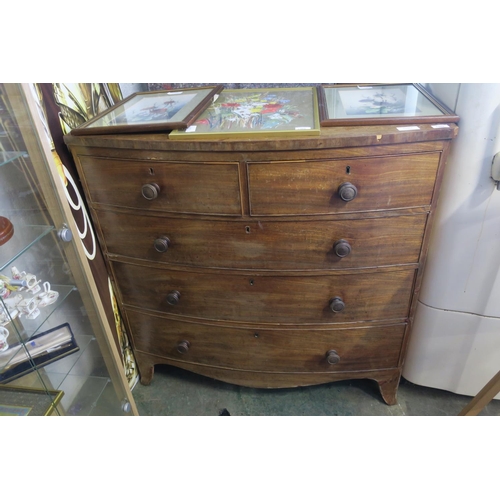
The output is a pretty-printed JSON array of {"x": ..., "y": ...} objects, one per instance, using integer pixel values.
[
  {"x": 267, "y": 299},
  {"x": 265, "y": 245},
  {"x": 312, "y": 187},
  {"x": 298, "y": 350},
  {"x": 183, "y": 187}
]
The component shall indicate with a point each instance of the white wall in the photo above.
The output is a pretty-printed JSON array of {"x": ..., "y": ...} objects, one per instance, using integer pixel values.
[{"x": 455, "y": 343}]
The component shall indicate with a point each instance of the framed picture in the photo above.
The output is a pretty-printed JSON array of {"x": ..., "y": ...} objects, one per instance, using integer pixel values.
[
  {"x": 379, "y": 104},
  {"x": 157, "y": 111},
  {"x": 253, "y": 112},
  {"x": 24, "y": 401}
]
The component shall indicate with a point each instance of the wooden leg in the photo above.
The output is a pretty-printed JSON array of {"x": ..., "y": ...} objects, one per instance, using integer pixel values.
[
  {"x": 484, "y": 396},
  {"x": 146, "y": 368},
  {"x": 389, "y": 388}
]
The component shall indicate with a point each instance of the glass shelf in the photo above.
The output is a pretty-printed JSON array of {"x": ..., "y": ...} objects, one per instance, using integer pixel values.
[
  {"x": 25, "y": 327},
  {"x": 24, "y": 237},
  {"x": 8, "y": 156}
]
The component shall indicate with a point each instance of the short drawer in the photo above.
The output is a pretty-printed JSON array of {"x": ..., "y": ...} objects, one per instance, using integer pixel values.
[
  {"x": 340, "y": 186},
  {"x": 267, "y": 299},
  {"x": 289, "y": 245},
  {"x": 267, "y": 350},
  {"x": 197, "y": 188}
]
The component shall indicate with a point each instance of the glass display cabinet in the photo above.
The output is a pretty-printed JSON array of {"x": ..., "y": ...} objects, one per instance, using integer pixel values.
[{"x": 57, "y": 353}]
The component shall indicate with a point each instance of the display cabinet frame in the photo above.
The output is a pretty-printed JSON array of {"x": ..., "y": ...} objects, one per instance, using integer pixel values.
[{"x": 51, "y": 200}]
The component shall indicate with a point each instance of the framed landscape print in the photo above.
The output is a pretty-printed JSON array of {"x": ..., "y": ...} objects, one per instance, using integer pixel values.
[
  {"x": 379, "y": 104},
  {"x": 157, "y": 111},
  {"x": 253, "y": 112}
]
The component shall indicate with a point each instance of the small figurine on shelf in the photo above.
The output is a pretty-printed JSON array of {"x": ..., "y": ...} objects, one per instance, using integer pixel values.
[
  {"x": 4, "y": 316},
  {"x": 4, "y": 291},
  {"x": 9, "y": 310},
  {"x": 21, "y": 304},
  {"x": 4, "y": 333},
  {"x": 27, "y": 281},
  {"x": 15, "y": 273},
  {"x": 47, "y": 297},
  {"x": 28, "y": 308}
]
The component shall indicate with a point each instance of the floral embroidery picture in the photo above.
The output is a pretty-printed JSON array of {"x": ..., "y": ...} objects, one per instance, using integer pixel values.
[{"x": 261, "y": 110}]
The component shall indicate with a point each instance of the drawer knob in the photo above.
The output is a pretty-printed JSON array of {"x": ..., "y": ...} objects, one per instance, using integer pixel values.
[
  {"x": 174, "y": 297},
  {"x": 332, "y": 357},
  {"x": 183, "y": 346},
  {"x": 348, "y": 191},
  {"x": 161, "y": 244},
  {"x": 337, "y": 305},
  {"x": 150, "y": 191},
  {"x": 342, "y": 248}
]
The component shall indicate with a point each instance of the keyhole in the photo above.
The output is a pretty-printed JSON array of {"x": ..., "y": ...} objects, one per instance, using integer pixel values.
[
  {"x": 256, "y": 335},
  {"x": 151, "y": 171},
  {"x": 251, "y": 282},
  {"x": 247, "y": 229},
  {"x": 348, "y": 169}
]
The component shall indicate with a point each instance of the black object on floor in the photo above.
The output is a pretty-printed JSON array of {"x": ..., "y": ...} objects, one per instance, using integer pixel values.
[{"x": 224, "y": 413}]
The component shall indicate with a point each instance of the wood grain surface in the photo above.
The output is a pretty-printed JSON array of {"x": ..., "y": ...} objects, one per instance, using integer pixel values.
[
  {"x": 262, "y": 244},
  {"x": 247, "y": 281}
]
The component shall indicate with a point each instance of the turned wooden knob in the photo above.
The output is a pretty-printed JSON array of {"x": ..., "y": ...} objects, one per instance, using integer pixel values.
[
  {"x": 183, "y": 346},
  {"x": 161, "y": 244},
  {"x": 174, "y": 297},
  {"x": 332, "y": 357},
  {"x": 348, "y": 191},
  {"x": 337, "y": 305},
  {"x": 342, "y": 248},
  {"x": 150, "y": 191}
]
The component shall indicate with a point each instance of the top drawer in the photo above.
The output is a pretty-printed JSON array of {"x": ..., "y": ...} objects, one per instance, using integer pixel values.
[
  {"x": 313, "y": 187},
  {"x": 191, "y": 188}
]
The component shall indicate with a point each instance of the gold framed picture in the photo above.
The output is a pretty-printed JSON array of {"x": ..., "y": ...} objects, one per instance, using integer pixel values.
[
  {"x": 25, "y": 401},
  {"x": 244, "y": 113}
]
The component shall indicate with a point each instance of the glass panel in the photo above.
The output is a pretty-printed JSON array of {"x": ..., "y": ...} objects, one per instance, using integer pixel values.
[
  {"x": 22, "y": 240},
  {"x": 162, "y": 107},
  {"x": 54, "y": 351},
  {"x": 382, "y": 101}
]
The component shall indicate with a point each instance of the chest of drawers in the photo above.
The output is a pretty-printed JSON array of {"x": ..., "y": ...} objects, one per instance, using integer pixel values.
[{"x": 268, "y": 263}]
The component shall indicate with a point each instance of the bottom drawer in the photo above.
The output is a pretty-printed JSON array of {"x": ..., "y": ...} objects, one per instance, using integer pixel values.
[{"x": 268, "y": 350}]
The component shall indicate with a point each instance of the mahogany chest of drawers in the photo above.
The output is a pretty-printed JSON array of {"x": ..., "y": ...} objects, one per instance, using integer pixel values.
[{"x": 274, "y": 262}]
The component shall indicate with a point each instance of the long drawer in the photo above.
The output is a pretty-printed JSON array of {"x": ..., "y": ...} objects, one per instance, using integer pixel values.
[
  {"x": 267, "y": 299},
  {"x": 263, "y": 244},
  {"x": 293, "y": 350},
  {"x": 319, "y": 187},
  {"x": 196, "y": 188}
]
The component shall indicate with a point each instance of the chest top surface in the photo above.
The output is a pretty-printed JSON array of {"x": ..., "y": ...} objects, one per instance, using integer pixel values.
[{"x": 332, "y": 137}]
